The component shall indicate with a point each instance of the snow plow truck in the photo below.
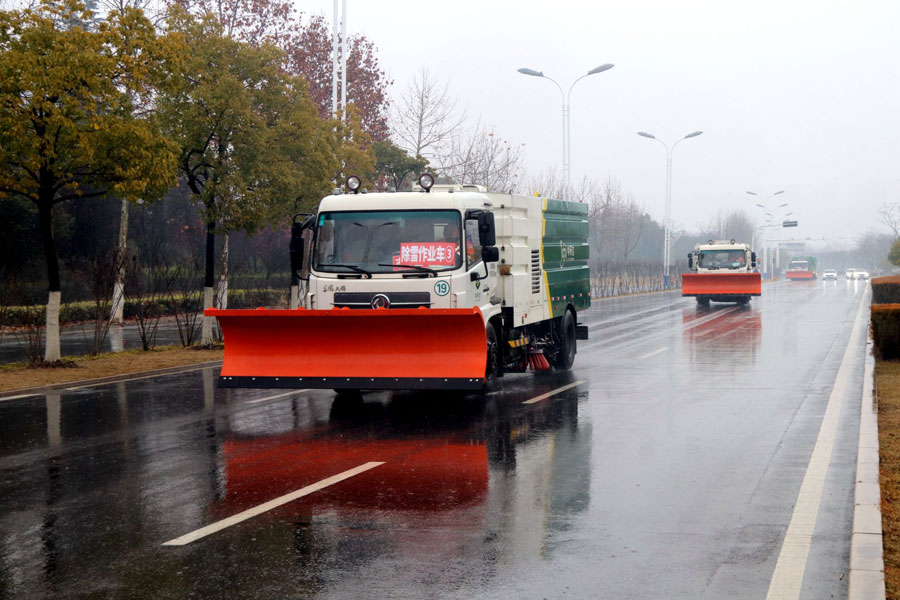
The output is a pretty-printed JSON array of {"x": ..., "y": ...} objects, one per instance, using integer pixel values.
[
  {"x": 721, "y": 271},
  {"x": 801, "y": 268},
  {"x": 444, "y": 288}
]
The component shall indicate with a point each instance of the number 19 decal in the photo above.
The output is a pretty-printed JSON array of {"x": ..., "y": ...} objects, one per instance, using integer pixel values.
[{"x": 441, "y": 288}]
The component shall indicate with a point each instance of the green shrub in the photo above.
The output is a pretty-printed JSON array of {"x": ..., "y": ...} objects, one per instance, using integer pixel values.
[
  {"x": 886, "y": 330},
  {"x": 886, "y": 290}
]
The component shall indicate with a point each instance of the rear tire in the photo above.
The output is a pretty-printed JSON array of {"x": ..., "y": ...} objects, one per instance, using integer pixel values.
[
  {"x": 492, "y": 366},
  {"x": 565, "y": 355}
]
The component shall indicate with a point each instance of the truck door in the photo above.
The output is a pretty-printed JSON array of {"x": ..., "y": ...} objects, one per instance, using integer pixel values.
[{"x": 481, "y": 276}]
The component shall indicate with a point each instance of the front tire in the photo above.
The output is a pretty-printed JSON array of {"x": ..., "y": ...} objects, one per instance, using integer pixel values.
[
  {"x": 565, "y": 355},
  {"x": 492, "y": 366}
]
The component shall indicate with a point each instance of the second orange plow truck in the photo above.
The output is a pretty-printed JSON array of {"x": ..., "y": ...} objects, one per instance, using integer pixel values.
[
  {"x": 721, "y": 271},
  {"x": 444, "y": 288}
]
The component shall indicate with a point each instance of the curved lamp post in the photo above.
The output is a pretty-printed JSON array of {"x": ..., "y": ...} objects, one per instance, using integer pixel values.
[
  {"x": 765, "y": 209},
  {"x": 566, "y": 115},
  {"x": 666, "y": 228}
]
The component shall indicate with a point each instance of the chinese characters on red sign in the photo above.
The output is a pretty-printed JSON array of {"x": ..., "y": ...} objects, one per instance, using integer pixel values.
[{"x": 427, "y": 254}]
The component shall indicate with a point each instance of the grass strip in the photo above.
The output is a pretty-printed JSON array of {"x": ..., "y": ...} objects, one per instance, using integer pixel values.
[
  {"x": 18, "y": 376},
  {"x": 887, "y": 393}
]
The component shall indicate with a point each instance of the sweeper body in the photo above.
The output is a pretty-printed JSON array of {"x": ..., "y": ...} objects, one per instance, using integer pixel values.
[
  {"x": 446, "y": 288},
  {"x": 721, "y": 271},
  {"x": 802, "y": 268}
]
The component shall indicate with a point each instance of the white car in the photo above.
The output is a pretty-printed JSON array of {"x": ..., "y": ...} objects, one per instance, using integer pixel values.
[
  {"x": 862, "y": 275},
  {"x": 829, "y": 274},
  {"x": 851, "y": 273}
]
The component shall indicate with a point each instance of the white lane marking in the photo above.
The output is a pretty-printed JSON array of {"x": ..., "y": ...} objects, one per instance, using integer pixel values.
[
  {"x": 267, "y": 506},
  {"x": 788, "y": 576},
  {"x": 5, "y": 398},
  {"x": 267, "y": 398},
  {"x": 90, "y": 385},
  {"x": 553, "y": 393},
  {"x": 654, "y": 353}
]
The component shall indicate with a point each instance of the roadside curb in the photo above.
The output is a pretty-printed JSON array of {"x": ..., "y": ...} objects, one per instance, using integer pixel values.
[
  {"x": 866, "y": 578},
  {"x": 7, "y": 395}
]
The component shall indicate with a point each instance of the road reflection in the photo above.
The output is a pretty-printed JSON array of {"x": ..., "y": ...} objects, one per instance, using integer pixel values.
[{"x": 726, "y": 337}]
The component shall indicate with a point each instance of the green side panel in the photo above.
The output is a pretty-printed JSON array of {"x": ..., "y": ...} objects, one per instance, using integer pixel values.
[{"x": 566, "y": 252}]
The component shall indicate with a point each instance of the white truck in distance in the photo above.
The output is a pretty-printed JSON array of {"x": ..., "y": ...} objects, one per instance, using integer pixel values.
[{"x": 721, "y": 271}]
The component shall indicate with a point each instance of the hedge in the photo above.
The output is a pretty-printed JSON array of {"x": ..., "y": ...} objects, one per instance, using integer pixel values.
[
  {"x": 886, "y": 290},
  {"x": 79, "y": 312},
  {"x": 886, "y": 330}
]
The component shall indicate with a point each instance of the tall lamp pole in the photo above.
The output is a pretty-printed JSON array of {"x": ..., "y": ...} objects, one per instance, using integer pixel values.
[
  {"x": 765, "y": 209},
  {"x": 566, "y": 117},
  {"x": 667, "y": 235}
]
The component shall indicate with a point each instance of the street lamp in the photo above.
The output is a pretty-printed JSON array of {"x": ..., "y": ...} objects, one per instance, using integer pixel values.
[
  {"x": 666, "y": 228},
  {"x": 764, "y": 207},
  {"x": 566, "y": 117}
]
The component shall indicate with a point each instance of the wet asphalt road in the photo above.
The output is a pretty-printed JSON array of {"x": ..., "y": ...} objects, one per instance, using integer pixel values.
[{"x": 666, "y": 465}]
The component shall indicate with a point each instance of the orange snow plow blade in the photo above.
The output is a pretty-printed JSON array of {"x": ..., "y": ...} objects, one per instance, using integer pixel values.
[
  {"x": 721, "y": 284},
  {"x": 800, "y": 275},
  {"x": 353, "y": 349}
]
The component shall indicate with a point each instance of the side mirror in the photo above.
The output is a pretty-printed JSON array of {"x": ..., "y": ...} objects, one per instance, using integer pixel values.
[
  {"x": 753, "y": 259},
  {"x": 297, "y": 245},
  {"x": 690, "y": 260},
  {"x": 296, "y": 250},
  {"x": 490, "y": 254},
  {"x": 486, "y": 234}
]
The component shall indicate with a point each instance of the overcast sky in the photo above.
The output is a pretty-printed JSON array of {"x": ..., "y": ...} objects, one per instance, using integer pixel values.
[{"x": 794, "y": 95}]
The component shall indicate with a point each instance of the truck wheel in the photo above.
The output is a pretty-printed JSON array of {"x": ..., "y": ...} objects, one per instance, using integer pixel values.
[
  {"x": 493, "y": 357},
  {"x": 702, "y": 301},
  {"x": 565, "y": 355}
]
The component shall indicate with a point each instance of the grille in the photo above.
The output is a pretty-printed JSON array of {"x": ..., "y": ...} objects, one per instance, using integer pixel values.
[
  {"x": 535, "y": 271},
  {"x": 398, "y": 299}
]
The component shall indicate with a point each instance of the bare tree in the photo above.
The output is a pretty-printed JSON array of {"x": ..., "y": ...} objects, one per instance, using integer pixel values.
[
  {"x": 425, "y": 118},
  {"x": 482, "y": 158},
  {"x": 890, "y": 216}
]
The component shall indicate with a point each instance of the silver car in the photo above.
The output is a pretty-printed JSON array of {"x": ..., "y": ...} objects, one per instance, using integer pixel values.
[{"x": 829, "y": 274}]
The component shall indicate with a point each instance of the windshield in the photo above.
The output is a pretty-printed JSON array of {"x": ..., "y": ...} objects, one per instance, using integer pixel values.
[
  {"x": 721, "y": 259},
  {"x": 799, "y": 265},
  {"x": 387, "y": 241}
]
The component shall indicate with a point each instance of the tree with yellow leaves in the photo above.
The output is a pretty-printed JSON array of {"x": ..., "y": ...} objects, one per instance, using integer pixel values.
[{"x": 69, "y": 124}]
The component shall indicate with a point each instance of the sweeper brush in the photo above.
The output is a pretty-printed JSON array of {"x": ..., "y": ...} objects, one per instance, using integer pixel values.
[{"x": 353, "y": 349}]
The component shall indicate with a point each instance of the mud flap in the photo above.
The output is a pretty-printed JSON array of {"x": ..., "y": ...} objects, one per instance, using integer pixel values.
[
  {"x": 353, "y": 349},
  {"x": 721, "y": 284}
]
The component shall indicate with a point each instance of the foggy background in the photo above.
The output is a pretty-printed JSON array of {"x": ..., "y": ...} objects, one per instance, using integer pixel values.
[{"x": 799, "y": 96}]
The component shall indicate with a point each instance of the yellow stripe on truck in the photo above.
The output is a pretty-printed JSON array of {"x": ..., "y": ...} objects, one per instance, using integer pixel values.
[{"x": 543, "y": 272}]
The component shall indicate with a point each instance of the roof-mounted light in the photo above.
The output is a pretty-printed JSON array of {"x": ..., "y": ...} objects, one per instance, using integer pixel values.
[
  {"x": 354, "y": 183},
  {"x": 426, "y": 180}
]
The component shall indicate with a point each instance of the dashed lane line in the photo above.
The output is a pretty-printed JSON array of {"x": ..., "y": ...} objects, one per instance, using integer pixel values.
[
  {"x": 654, "y": 353},
  {"x": 553, "y": 393},
  {"x": 276, "y": 396},
  {"x": 267, "y": 506}
]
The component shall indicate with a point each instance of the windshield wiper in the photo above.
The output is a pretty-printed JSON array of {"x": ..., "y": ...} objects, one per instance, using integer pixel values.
[
  {"x": 418, "y": 268},
  {"x": 353, "y": 267}
]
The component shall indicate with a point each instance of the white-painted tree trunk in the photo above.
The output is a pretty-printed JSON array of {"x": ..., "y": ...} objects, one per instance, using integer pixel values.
[
  {"x": 222, "y": 291},
  {"x": 206, "y": 332},
  {"x": 117, "y": 308},
  {"x": 51, "y": 349},
  {"x": 295, "y": 296}
]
